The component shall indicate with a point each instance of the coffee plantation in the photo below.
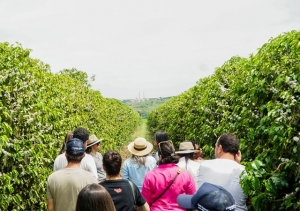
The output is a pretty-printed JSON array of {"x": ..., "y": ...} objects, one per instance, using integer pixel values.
[
  {"x": 258, "y": 99},
  {"x": 37, "y": 109}
]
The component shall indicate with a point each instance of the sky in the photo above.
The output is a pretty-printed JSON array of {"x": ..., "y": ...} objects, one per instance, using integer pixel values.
[{"x": 150, "y": 49}]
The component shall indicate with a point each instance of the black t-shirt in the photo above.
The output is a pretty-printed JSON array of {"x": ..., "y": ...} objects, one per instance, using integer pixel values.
[{"x": 121, "y": 193}]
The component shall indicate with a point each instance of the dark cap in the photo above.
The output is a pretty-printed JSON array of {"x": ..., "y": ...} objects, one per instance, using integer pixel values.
[
  {"x": 209, "y": 197},
  {"x": 75, "y": 147}
]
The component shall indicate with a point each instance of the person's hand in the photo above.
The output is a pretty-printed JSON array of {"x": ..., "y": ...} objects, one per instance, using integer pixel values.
[{"x": 238, "y": 157}]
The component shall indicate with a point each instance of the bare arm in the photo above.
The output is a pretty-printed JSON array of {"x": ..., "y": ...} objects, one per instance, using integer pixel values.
[
  {"x": 145, "y": 207},
  {"x": 125, "y": 174},
  {"x": 50, "y": 204}
]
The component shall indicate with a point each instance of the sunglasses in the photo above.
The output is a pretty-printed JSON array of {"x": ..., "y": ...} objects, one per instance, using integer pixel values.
[{"x": 98, "y": 144}]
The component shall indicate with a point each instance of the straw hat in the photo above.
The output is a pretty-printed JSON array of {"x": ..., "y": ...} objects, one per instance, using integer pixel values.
[
  {"x": 140, "y": 147},
  {"x": 93, "y": 140},
  {"x": 186, "y": 148}
]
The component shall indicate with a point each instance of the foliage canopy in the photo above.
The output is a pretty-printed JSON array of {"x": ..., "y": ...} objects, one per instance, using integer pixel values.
[
  {"x": 37, "y": 108},
  {"x": 258, "y": 99}
]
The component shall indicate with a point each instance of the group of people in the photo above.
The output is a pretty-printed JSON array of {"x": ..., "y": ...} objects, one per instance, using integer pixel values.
[{"x": 84, "y": 180}]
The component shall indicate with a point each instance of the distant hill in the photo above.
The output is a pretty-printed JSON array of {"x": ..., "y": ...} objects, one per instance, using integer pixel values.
[{"x": 145, "y": 105}]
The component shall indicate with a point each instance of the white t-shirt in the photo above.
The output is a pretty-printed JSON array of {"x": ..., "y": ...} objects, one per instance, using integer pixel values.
[
  {"x": 225, "y": 173},
  {"x": 87, "y": 163},
  {"x": 193, "y": 167}
]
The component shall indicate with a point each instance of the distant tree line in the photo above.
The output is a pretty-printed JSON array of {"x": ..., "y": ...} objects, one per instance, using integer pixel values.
[{"x": 144, "y": 106}]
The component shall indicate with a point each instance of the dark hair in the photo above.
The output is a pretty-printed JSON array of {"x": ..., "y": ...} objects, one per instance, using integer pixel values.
[
  {"x": 161, "y": 136},
  {"x": 112, "y": 162},
  {"x": 167, "y": 152},
  {"x": 230, "y": 143},
  {"x": 194, "y": 144},
  {"x": 68, "y": 137},
  {"x": 74, "y": 159},
  {"x": 94, "y": 197},
  {"x": 81, "y": 133},
  {"x": 187, "y": 157},
  {"x": 88, "y": 150}
]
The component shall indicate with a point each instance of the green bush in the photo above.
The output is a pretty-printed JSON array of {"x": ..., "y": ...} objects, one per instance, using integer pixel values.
[
  {"x": 258, "y": 100},
  {"x": 37, "y": 108}
]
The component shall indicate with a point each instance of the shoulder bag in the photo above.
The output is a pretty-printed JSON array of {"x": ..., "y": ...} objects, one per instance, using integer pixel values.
[{"x": 178, "y": 172}]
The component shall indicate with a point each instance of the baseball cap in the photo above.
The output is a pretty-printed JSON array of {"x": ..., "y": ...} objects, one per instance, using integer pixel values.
[
  {"x": 209, "y": 197},
  {"x": 75, "y": 147}
]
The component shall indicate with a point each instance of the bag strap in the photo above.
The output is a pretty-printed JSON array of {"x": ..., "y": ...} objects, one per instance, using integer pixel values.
[
  {"x": 132, "y": 189},
  {"x": 178, "y": 172}
]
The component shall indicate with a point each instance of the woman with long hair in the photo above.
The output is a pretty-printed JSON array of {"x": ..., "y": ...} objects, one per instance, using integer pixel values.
[
  {"x": 163, "y": 184},
  {"x": 94, "y": 197},
  {"x": 93, "y": 146},
  {"x": 136, "y": 167},
  {"x": 124, "y": 193},
  {"x": 68, "y": 137}
]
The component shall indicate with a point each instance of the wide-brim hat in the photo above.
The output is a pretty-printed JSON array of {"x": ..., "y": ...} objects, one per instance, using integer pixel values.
[
  {"x": 186, "y": 148},
  {"x": 93, "y": 140},
  {"x": 140, "y": 147}
]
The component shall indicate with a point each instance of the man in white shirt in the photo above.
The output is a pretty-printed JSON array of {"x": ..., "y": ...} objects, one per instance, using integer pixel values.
[
  {"x": 225, "y": 171},
  {"x": 87, "y": 163}
]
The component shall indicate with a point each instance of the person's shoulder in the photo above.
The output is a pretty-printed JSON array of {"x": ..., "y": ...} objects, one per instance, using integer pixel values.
[
  {"x": 127, "y": 160},
  {"x": 208, "y": 162},
  {"x": 87, "y": 158},
  {"x": 194, "y": 163},
  {"x": 84, "y": 173},
  {"x": 57, "y": 174},
  {"x": 60, "y": 162},
  {"x": 60, "y": 157},
  {"x": 99, "y": 154},
  {"x": 150, "y": 159}
]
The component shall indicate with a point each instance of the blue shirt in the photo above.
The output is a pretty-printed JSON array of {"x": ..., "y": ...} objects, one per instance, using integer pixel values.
[{"x": 131, "y": 170}]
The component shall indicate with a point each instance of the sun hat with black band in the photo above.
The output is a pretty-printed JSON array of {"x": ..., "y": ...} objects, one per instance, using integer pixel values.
[
  {"x": 186, "y": 148},
  {"x": 140, "y": 147},
  {"x": 209, "y": 197},
  {"x": 93, "y": 140}
]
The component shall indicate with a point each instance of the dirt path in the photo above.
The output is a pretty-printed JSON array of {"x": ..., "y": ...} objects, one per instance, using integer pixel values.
[{"x": 141, "y": 131}]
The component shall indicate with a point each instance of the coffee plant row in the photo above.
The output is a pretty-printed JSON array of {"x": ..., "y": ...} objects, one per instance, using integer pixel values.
[
  {"x": 37, "y": 108},
  {"x": 258, "y": 99}
]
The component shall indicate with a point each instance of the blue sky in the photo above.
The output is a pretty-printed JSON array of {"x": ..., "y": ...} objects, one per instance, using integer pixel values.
[{"x": 156, "y": 48}]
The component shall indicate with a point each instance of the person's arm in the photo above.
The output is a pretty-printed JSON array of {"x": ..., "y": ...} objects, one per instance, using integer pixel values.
[
  {"x": 198, "y": 181},
  {"x": 191, "y": 187},
  {"x": 153, "y": 164},
  {"x": 90, "y": 164},
  {"x": 50, "y": 204},
  {"x": 146, "y": 189},
  {"x": 55, "y": 165},
  {"x": 145, "y": 207},
  {"x": 125, "y": 173},
  {"x": 140, "y": 202}
]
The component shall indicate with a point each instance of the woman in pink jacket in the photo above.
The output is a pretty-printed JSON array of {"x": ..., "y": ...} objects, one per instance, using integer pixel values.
[{"x": 163, "y": 184}]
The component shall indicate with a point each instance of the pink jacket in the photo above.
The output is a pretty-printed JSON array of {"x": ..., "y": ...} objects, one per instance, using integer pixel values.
[{"x": 158, "y": 179}]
